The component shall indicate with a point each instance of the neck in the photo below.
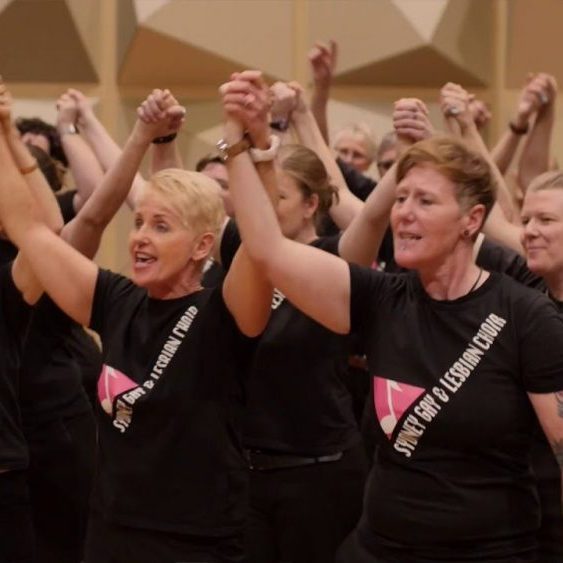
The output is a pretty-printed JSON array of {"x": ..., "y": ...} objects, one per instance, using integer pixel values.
[
  {"x": 189, "y": 283},
  {"x": 453, "y": 278},
  {"x": 307, "y": 235}
]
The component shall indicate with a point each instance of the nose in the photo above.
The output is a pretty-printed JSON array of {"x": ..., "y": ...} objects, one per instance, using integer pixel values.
[{"x": 530, "y": 229}]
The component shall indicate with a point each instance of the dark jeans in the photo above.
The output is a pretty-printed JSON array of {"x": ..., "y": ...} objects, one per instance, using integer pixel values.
[
  {"x": 113, "y": 543},
  {"x": 61, "y": 469},
  {"x": 302, "y": 514},
  {"x": 16, "y": 528}
]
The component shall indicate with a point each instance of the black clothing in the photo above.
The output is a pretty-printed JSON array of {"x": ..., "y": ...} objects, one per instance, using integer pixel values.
[
  {"x": 451, "y": 479},
  {"x": 170, "y": 392},
  {"x": 66, "y": 204},
  {"x": 14, "y": 319},
  {"x": 298, "y": 408}
]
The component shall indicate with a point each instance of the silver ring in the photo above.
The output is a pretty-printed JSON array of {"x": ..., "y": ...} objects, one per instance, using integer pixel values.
[
  {"x": 453, "y": 111},
  {"x": 544, "y": 98}
]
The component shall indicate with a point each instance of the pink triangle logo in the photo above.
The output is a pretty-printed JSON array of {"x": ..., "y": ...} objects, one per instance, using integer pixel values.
[
  {"x": 111, "y": 383},
  {"x": 391, "y": 400}
]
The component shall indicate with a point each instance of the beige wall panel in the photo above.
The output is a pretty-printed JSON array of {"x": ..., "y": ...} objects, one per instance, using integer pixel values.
[
  {"x": 366, "y": 31},
  {"x": 255, "y": 34},
  {"x": 39, "y": 43},
  {"x": 534, "y": 32},
  {"x": 423, "y": 67},
  {"x": 144, "y": 9},
  {"x": 465, "y": 35},
  {"x": 423, "y": 15},
  {"x": 86, "y": 16},
  {"x": 126, "y": 28},
  {"x": 155, "y": 60}
]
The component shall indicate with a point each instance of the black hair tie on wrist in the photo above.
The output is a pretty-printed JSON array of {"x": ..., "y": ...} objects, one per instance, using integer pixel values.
[{"x": 165, "y": 139}]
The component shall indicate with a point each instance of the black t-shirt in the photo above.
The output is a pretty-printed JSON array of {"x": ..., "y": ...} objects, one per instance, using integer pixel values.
[
  {"x": 50, "y": 383},
  {"x": 51, "y": 380},
  {"x": 297, "y": 401},
  {"x": 169, "y": 395},
  {"x": 14, "y": 319},
  {"x": 451, "y": 480}
]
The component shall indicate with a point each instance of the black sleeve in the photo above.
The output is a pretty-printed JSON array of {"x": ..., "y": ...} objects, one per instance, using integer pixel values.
[
  {"x": 112, "y": 296},
  {"x": 66, "y": 203},
  {"x": 229, "y": 244},
  {"x": 361, "y": 186},
  {"x": 540, "y": 336},
  {"x": 498, "y": 258}
]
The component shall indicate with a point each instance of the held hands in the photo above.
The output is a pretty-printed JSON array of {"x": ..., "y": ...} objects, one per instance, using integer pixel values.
[
  {"x": 246, "y": 104},
  {"x": 159, "y": 115},
  {"x": 480, "y": 112},
  {"x": 538, "y": 94},
  {"x": 410, "y": 120},
  {"x": 284, "y": 101},
  {"x": 323, "y": 58},
  {"x": 67, "y": 109},
  {"x": 455, "y": 105}
]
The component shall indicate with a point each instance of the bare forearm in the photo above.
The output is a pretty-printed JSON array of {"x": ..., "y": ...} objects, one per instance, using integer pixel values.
[
  {"x": 319, "y": 103},
  {"x": 165, "y": 155},
  {"x": 84, "y": 166},
  {"x": 348, "y": 205},
  {"x": 535, "y": 155},
  {"x": 48, "y": 208},
  {"x": 85, "y": 231},
  {"x": 505, "y": 149}
]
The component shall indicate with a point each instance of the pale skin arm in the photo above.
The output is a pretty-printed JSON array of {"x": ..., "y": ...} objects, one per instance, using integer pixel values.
[
  {"x": 536, "y": 153},
  {"x": 505, "y": 149},
  {"x": 66, "y": 275},
  {"x": 454, "y": 98},
  {"x": 164, "y": 155},
  {"x": 347, "y": 206},
  {"x": 106, "y": 150},
  {"x": 47, "y": 206},
  {"x": 83, "y": 164},
  {"x": 549, "y": 410},
  {"x": 322, "y": 58},
  {"x": 246, "y": 289},
  {"x": 299, "y": 271},
  {"x": 360, "y": 242}
]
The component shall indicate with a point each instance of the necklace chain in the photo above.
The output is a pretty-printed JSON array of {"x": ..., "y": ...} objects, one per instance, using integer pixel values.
[{"x": 476, "y": 281}]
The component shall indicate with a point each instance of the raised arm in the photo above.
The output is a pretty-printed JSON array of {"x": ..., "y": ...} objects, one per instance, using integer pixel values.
[
  {"x": 84, "y": 166},
  {"x": 84, "y": 232},
  {"x": 165, "y": 152},
  {"x": 346, "y": 206},
  {"x": 40, "y": 190},
  {"x": 107, "y": 151},
  {"x": 66, "y": 275},
  {"x": 315, "y": 281},
  {"x": 454, "y": 102},
  {"x": 322, "y": 58},
  {"x": 505, "y": 149},
  {"x": 360, "y": 242},
  {"x": 535, "y": 156}
]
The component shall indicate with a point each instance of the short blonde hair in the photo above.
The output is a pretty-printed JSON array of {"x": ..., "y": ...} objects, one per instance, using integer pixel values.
[
  {"x": 546, "y": 181},
  {"x": 195, "y": 197},
  {"x": 363, "y": 133}
]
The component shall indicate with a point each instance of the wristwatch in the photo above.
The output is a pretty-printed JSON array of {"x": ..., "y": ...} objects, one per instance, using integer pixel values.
[
  {"x": 227, "y": 151},
  {"x": 69, "y": 129},
  {"x": 265, "y": 155}
]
